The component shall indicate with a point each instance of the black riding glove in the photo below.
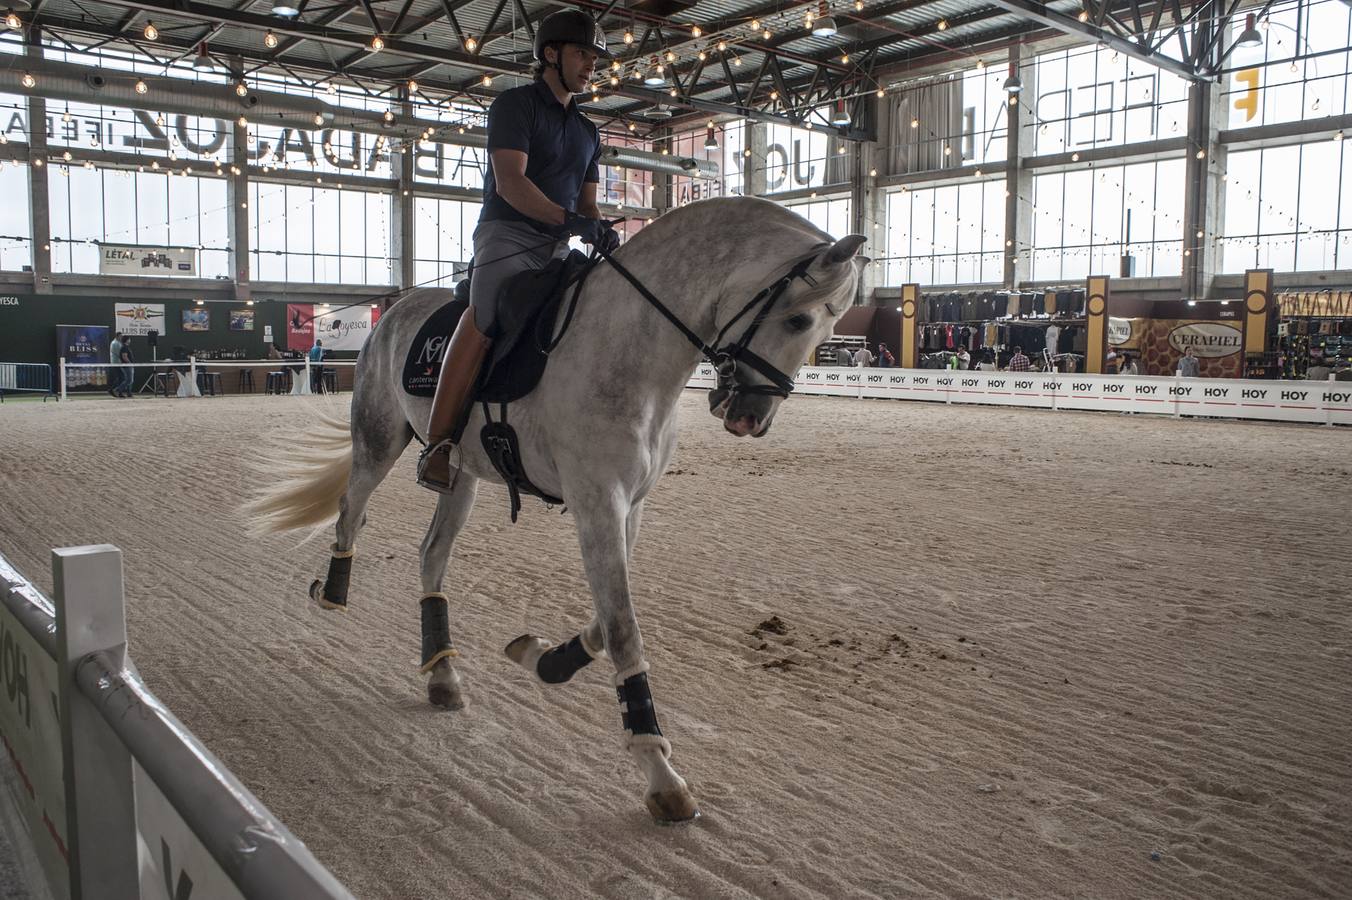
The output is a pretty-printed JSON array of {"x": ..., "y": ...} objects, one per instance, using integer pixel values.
[{"x": 596, "y": 232}]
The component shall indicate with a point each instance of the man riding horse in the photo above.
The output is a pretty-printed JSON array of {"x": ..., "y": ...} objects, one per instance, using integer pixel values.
[{"x": 540, "y": 184}]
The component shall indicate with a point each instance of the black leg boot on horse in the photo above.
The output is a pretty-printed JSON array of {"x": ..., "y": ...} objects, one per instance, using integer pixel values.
[{"x": 455, "y": 392}]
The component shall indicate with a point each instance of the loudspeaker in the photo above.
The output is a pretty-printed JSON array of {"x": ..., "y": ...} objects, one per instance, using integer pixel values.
[{"x": 152, "y": 338}]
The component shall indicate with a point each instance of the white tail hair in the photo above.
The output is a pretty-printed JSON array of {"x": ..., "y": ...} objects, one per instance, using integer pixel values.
[{"x": 313, "y": 468}]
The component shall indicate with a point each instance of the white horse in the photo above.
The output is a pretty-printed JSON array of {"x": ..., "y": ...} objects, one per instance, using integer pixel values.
[{"x": 598, "y": 430}]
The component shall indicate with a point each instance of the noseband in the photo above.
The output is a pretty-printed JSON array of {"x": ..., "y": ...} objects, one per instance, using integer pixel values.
[{"x": 727, "y": 356}]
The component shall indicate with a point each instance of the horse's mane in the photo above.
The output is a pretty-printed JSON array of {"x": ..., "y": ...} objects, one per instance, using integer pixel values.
[
  {"x": 755, "y": 211},
  {"x": 744, "y": 219}
]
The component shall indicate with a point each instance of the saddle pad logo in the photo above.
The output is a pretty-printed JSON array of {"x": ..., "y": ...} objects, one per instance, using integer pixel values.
[{"x": 422, "y": 365}]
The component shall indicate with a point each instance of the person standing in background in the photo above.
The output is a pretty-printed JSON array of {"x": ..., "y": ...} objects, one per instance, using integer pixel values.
[
  {"x": 128, "y": 371},
  {"x": 863, "y": 358},
  {"x": 115, "y": 375},
  {"x": 1126, "y": 365},
  {"x": 1018, "y": 362},
  {"x": 1188, "y": 366}
]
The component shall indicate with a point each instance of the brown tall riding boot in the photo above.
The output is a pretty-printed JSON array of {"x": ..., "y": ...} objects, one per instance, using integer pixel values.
[{"x": 455, "y": 391}]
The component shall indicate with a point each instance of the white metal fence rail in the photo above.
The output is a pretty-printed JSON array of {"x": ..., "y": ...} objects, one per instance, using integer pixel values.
[
  {"x": 113, "y": 795},
  {"x": 1317, "y": 402}
]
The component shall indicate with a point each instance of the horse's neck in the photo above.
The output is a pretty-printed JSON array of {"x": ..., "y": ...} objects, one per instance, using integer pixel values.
[{"x": 628, "y": 344}]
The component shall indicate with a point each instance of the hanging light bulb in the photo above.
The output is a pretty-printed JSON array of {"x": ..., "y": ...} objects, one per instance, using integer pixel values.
[
  {"x": 388, "y": 117},
  {"x": 915, "y": 123},
  {"x": 755, "y": 24},
  {"x": 319, "y": 119},
  {"x": 736, "y": 60},
  {"x": 1084, "y": 15},
  {"x": 881, "y": 93},
  {"x": 242, "y": 122},
  {"x": 377, "y": 43},
  {"x": 695, "y": 31},
  {"x": 858, "y": 5},
  {"x": 412, "y": 86},
  {"x": 471, "y": 44},
  {"x": 766, "y": 34},
  {"x": 270, "y": 40},
  {"x": 702, "y": 56},
  {"x": 241, "y": 89},
  {"x": 943, "y": 25},
  {"x": 628, "y": 36},
  {"x": 28, "y": 80},
  {"x": 722, "y": 46},
  {"x": 845, "y": 59},
  {"x": 141, "y": 86},
  {"x": 488, "y": 81},
  {"x": 671, "y": 57},
  {"x": 614, "y": 81},
  {"x": 631, "y": 126},
  {"x": 150, "y": 32}
]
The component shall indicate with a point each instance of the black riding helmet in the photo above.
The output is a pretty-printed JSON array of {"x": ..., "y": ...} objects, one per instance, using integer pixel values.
[{"x": 570, "y": 26}]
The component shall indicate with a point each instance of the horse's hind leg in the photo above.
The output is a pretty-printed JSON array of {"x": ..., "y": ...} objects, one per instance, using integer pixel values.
[
  {"x": 376, "y": 447},
  {"x": 443, "y": 687}
]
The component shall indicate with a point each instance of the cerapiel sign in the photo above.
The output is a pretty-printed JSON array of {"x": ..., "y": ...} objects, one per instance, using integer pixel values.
[
  {"x": 130, "y": 259},
  {"x": 1211, "y": 340}
]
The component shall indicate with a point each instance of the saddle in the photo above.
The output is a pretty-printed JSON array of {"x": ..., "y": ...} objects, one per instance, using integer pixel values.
[{"x": 523, "y": 336}]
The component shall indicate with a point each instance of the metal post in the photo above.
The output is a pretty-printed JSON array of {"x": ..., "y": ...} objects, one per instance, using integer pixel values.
[
  {"x": 39, "y": 203},
  {"x": 237, "y": 201},
  {"x": 192, "y": 377},
  {"x": 402, "y": 234},
  {"x": 1203, "y": 189},
  {"x": 62, "y": 363},
  {"x": 100, "y": 804},
  {"x": 1018, "y": 180}
]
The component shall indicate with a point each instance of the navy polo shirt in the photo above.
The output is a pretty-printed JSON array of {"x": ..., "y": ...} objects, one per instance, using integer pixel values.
[{"x": 561, "y": 144}]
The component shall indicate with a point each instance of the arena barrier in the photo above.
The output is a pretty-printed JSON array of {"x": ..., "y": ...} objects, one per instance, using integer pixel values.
[
  {"x": 1317, "y": 402},
  {"x": 26, "y": 378},
  {"x": 183, "y": 376},
  {"x": 109, "y": 795}
]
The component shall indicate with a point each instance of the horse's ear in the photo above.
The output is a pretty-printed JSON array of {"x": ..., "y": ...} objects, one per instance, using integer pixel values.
[{"x": 843, "y": 249}]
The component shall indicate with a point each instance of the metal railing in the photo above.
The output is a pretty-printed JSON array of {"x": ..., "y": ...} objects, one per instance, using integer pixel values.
[
  {"x": 107, "y": 766},
  {"x": 27, "y": 378}
]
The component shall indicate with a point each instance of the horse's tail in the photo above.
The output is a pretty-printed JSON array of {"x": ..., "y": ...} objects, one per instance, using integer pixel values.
[{"x": 314, "y": 469}]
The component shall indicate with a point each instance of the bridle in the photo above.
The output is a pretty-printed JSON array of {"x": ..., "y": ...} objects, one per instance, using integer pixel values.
[{"x": 727, "y": 356}]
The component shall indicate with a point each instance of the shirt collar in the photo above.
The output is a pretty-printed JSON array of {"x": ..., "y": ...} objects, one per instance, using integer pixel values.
[{"x": 547, "y": 95}]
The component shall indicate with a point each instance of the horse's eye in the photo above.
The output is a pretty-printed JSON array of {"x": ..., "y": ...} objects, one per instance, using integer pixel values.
[{"x": 799, "y": 323}]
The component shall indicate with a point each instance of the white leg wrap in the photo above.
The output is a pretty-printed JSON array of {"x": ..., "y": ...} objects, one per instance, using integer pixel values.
[
  {"x": 630, "y": 672},
  {"x": 593, "y": 652},
  {"x": 635, "y": 742}
]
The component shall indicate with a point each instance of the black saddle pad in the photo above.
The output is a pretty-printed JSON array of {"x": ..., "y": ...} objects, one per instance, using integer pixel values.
[{"x": 527, "y": 313}]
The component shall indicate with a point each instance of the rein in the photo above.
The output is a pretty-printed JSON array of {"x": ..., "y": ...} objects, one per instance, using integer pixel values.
[{"x": 725, "y": 358}]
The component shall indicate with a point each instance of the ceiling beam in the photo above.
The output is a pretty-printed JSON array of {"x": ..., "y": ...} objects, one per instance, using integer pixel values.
[{"x": 1069, "y": 25}]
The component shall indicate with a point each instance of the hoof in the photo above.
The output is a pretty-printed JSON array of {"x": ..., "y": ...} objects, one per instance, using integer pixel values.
[
  {"x": 672, "y": 807},
  {"x": 443, "y": 687},
  {"x": 525, "y": 651},
  {"x": 317, "y": 595},
  {"x": 445, "y": 696}
]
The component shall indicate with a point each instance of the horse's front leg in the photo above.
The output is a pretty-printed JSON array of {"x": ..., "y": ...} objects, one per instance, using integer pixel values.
[
  {"x": 557, "y": 663},
  {"x": 602, "y": 531}
]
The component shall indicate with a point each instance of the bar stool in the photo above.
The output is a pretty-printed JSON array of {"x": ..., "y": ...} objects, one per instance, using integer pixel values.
[
  {"x": 210, "y": 383},
  {"x": 246, "y": 379},
  {"x": 329, "y": 377},
  {"x": 277, "y": 382},
  {"x": 163, "y": 384}
]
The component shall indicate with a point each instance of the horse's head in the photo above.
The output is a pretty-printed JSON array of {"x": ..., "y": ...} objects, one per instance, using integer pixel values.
[{"x": 783, "y": 333}]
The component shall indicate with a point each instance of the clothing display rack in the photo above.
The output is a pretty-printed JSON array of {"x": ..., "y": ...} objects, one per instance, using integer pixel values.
[{"x": 1048, "y": 325}]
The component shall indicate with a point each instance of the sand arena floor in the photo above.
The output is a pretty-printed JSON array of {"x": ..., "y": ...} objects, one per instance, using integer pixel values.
[{"x": 1022, "y": 650}]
